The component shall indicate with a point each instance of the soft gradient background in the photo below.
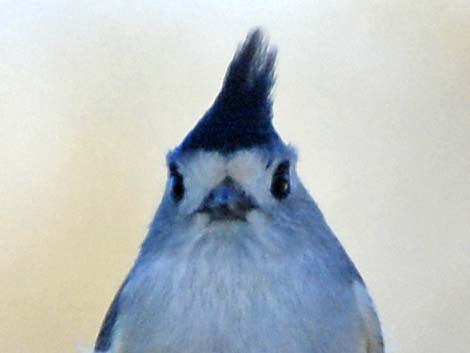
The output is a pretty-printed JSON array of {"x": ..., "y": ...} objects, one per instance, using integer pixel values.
[{"x": 376, "y": 95}]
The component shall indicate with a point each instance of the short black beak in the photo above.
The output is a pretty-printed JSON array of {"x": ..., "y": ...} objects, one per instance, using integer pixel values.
[{"x": 227, "y": 202}]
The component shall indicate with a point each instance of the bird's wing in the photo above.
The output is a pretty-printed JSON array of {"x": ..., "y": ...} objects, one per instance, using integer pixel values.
[
  {"x": 373, "y": 332},
  {"x": 105, "y": 336}
]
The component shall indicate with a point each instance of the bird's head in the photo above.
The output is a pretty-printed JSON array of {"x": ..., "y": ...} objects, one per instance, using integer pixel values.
[{"x": 233, "y": 168}]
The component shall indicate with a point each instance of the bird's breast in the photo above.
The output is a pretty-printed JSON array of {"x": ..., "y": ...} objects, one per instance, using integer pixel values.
[{"x": 233, "y": 296}]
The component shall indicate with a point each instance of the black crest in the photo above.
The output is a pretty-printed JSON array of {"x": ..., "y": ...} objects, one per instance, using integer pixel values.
[{"x": 241, "y": 116}]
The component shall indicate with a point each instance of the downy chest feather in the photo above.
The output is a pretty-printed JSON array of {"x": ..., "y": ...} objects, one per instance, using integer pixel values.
[{"x": 235, "y": 293}]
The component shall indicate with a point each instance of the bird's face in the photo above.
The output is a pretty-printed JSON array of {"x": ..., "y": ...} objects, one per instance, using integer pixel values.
[
  {"x": 232, "y": 173},
  {"x": 215, "y": 188}
]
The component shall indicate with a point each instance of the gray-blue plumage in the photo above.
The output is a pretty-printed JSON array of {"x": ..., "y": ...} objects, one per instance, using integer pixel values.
[{"x": 238, "y": 257}]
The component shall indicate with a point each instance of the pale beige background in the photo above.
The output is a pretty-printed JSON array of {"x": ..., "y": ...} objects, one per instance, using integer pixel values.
[{"x": 376, "y": 95}]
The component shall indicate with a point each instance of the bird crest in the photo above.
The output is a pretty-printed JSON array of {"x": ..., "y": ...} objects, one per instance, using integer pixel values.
[{"x": 241, "y": 115}]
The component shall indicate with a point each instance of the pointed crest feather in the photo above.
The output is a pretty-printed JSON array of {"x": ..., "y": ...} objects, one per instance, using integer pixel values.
[{"x": 241, "y": 116}]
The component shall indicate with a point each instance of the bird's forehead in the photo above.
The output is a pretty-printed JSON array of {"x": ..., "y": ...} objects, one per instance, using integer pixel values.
[
  {"x": 238, "y": 165},
  {"x": 222, "y": 163}
]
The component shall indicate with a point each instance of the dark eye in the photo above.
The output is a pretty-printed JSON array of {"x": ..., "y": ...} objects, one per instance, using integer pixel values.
[
  {"x": 176, "y": 183},
  {"x": 280, "y": 185}
]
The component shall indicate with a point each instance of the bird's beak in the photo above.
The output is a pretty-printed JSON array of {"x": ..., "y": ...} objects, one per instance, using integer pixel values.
[{"x": 227, "y": 201}]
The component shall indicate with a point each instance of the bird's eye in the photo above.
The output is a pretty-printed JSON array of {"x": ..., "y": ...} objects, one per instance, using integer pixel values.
[
  {"x": 176, "y": 183},
  {"x": 280, "y": 185}
]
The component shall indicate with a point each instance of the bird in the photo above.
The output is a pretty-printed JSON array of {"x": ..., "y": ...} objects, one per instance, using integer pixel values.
[{"x": 239, "y": 257}]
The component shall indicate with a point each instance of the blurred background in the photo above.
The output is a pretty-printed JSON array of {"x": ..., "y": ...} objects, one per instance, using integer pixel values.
[{"x": 375, "y": 95}]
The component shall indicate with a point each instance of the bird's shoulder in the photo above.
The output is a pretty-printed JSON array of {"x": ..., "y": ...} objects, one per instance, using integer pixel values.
[
  {"x": 105, "y": 335},
  {"x": 368, "y": 314}
]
